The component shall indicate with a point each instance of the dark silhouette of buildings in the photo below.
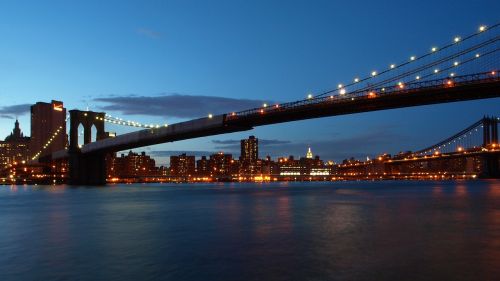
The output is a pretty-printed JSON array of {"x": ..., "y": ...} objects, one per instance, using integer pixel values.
[
  {"x": 15, "y": 147},
  {"x": 132, "y": 165}
]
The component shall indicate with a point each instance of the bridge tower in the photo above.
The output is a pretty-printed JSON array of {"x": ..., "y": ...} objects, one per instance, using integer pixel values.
[
  {"x": 486, "y": 131},
  {"x": 86, "y": 169},
  {"x": 490, "y": 138},
  {"x": 490, "y": 131},
  {"x": 494, "y": 130}
]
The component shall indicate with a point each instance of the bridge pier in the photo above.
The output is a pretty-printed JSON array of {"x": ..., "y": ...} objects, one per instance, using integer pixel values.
[
  {"x": 491, "y": 167},
  {"x": 87, "y": 169}
]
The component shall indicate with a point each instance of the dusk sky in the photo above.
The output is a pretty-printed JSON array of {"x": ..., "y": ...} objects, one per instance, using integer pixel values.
[{"x": 168, "y": 61}]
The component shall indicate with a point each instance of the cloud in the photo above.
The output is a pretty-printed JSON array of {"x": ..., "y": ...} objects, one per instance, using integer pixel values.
[
  {"x": 265, "y": 142},
  {"x": 12, "y": 111},
  {"x": 234, "y": 145},
  {"x": 149, "y": 33},
  {"x": 168, "y": 153},
  {"x": 174, "y": 105},
  {"x": 224, "y": 142}
]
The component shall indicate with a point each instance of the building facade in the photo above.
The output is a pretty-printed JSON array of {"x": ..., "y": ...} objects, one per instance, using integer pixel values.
[
  {"x": 46, "y": 119},
  {"x": 250, "y": 165},
  {"x": 132, "y": 165},
  {"x": 182, "y": 165},
  {"x": 220, "y": 166},
  {"x": 203, "y": 167}
]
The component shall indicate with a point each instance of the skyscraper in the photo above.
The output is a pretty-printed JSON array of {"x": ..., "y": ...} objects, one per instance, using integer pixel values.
[
  {"x": 46, "y": 118},
  {"x": 250, "y": 149},
  {"x": 249, "y": 159},
  {"x": 309, "y": 154}
]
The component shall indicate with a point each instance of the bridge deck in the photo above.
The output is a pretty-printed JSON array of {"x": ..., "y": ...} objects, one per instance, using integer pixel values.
[
  {"x": 438, "y": 91},
  {"x": 423, "y": 93},
  {"x": 180, "y": 131}
]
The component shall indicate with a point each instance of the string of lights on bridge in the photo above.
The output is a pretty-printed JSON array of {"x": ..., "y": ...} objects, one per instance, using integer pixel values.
[
  {"x": 120, "y": 121},
  {"x": 50, "y": 140},
  {"x": 436, "y": 149},
  {"x": 341, "y": 88},
  {"x": 434, "y": 68},
  {"x": 108, "y": 118}
]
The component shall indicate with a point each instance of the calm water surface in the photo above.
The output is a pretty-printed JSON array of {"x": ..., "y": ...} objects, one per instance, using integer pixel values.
[{"x": 280, "y": 231}]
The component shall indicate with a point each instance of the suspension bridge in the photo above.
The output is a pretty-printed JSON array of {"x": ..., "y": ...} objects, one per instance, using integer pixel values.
[
  {"x": 465, "y": 68},
  {"x": 474, "y": 151}
]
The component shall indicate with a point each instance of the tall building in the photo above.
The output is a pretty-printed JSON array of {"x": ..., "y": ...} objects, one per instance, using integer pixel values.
[
  {"x": 309, "y": 154},
  {"x": 249, "y": 159},
  {"x": 182, "y": 165},
  {"x": 15, "y": 147},
  {"x": 46, "y": 119},
  {"x": 250, "y": 149}
]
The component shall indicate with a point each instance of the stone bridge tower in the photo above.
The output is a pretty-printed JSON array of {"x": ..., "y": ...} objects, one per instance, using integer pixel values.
[{"x": 86, "y": 168}]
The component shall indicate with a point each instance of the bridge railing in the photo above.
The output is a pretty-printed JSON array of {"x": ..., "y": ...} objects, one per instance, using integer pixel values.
[{"x": 369, "y": 93}]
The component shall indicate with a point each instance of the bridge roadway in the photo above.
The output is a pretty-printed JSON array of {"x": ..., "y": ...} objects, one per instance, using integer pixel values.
[
  {"x": 432, "y": 92},
  {"x": 180, "y": 131}
]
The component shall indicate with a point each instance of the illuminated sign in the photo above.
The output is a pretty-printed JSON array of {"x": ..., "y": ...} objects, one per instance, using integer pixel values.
[{"x": 58, "y": 106}]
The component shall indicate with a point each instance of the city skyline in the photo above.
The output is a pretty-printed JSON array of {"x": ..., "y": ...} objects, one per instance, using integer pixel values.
[
  {"x": 471, "y": 153},
  {"x": 249, "y": 140},
  {"x": 17, "y": 132},
  {"x": 165, "y": 59}
]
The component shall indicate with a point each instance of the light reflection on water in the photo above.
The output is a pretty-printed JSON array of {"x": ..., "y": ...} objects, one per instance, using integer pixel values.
[{"x": 280, "y": 231}]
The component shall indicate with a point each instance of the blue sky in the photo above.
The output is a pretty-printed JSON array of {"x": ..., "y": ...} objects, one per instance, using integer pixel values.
[{"x": 103, "y": 54}]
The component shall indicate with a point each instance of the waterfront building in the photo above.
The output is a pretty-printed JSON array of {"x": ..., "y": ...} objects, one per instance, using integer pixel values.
[
  {"x": 202, "y": 167},
  {"x": 289, "y": 168},
  {"x": 132, "y": 165},
  {"x": 235, "y": 169},
  {"x": 182, "y": 165},
  {"x": 250, "y": 165},
  {"x": 220, "y": 166},
  {"x": 269, "y": 167}
]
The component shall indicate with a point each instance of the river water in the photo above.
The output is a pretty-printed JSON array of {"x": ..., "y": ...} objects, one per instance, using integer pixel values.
[{"x": 279, "y": 231}]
